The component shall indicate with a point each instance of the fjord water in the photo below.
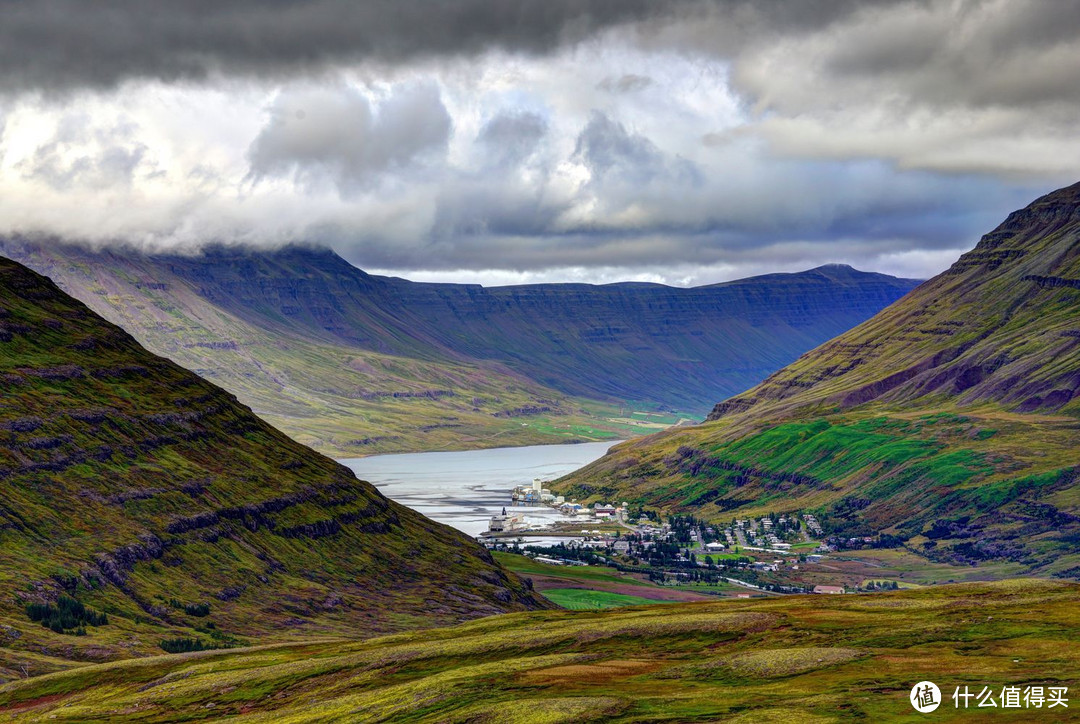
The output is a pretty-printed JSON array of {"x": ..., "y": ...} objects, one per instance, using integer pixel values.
[{"x": 464, "y": 489}]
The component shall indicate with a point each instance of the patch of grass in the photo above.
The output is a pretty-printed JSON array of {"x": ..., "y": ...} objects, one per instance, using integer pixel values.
[{"x": 580, "y": 599}]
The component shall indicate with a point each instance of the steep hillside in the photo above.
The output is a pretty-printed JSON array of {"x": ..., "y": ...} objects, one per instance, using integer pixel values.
[
  {"x": 948, "y": 420},
  {"x": 814, "y": 659},
  {"x": 352, "y": 363},
  {"x": 135, "y": 488}
]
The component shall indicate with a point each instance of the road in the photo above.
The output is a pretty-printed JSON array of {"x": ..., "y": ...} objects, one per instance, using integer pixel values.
[
  {"x": 623, "y": 523},
  {"x": 741, "y": 537}
]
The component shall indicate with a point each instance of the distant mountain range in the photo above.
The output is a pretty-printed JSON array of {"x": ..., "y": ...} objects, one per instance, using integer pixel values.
[
  {"x": 950, "y": 421},
  {"x": 352, "y": 363},
  {"x": 142, "y": 504}
]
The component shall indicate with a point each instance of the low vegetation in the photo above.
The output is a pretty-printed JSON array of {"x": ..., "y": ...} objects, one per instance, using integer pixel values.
[{"x": 801, "y": 658}]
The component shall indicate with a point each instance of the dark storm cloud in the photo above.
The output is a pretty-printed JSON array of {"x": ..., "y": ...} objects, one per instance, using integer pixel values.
[
  {"x": 60, "y": 44},
  {"x": 621, "y": 132},
  {"x": 71, "y": 43},
  {"x": 941, "y": 52},
  {"x": 979, "y": 53}
]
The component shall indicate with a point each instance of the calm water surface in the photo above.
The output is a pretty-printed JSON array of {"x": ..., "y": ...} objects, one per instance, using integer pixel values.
[{"x": 464, "y": 489}]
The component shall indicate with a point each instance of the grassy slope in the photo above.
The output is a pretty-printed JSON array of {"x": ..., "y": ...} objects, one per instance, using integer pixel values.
[
  {"x": 950, "y": 413},
  {"x": 139, "y": 488},
  {"x": 804, "y": 659}
]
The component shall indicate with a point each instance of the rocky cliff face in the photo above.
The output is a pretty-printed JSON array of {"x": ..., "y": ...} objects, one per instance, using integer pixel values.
[
  {"x": 650, "y": 342},
  {"x": 134, "y": 487}
]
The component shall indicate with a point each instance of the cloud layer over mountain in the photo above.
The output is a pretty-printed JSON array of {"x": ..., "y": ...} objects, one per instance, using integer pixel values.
[{"x": 508, "y": 141}]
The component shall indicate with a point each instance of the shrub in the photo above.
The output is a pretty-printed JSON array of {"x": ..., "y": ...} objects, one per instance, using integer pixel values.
[
  {"x": 67, "y": 616},
  {"x": 184, "y": 645},
  {"x": 197, "y": 609}
]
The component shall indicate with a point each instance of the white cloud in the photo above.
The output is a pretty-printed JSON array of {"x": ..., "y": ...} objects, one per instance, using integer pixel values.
[{"x": 335, "y": 133}]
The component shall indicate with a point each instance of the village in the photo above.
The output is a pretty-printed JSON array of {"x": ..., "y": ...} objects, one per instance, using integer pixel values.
[{"x": 775, "y": 554}]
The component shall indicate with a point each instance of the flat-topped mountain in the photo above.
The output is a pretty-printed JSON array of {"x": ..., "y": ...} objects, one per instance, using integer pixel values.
[
  {"x": 350, "y": 362},
  {"x": 650, "y": 342},
  {"x": 143, "y": 504},
  {"x": 948, "y": 421}
]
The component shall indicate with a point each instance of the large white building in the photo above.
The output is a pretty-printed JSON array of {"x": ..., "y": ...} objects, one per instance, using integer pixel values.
[{"x": 507, "y": 523}]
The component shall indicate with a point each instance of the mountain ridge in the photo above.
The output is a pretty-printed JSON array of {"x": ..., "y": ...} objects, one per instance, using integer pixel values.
[{"x": 321, "y": 348}]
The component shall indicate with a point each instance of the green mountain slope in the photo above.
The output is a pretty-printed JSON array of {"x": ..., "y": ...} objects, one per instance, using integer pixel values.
[
  {"x": 138, "y": 489},
  {"x": 814, "y": 659},
  {"x": 948, "y": 420},
  {"x": 351, "y": 363}
]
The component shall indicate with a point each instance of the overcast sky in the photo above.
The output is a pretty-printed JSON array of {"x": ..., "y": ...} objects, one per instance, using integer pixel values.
[{"x": 540, "y": 140}]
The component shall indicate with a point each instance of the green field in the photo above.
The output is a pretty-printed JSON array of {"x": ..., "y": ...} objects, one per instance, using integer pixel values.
[
  {"x": 701, "y": 554},
  {"x": 719, "y": 587},
  {"x": 580, "y": 599}
]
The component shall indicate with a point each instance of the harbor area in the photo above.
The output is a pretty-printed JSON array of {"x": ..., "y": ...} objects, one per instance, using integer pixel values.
[{"x": 575, "y": 521}]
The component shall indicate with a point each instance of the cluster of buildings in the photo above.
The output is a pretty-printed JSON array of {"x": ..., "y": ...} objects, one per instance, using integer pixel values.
[
  {"x": 682, "y": 550},
  {"x": 507, "y": 523},
  {"x": 673, "y": 543},
  {"x": 764, "y": 534},
  {"x": 534, "y": 494},
  {"x": 601, "y": 511},
  {"x": 812, "y": 525}
]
